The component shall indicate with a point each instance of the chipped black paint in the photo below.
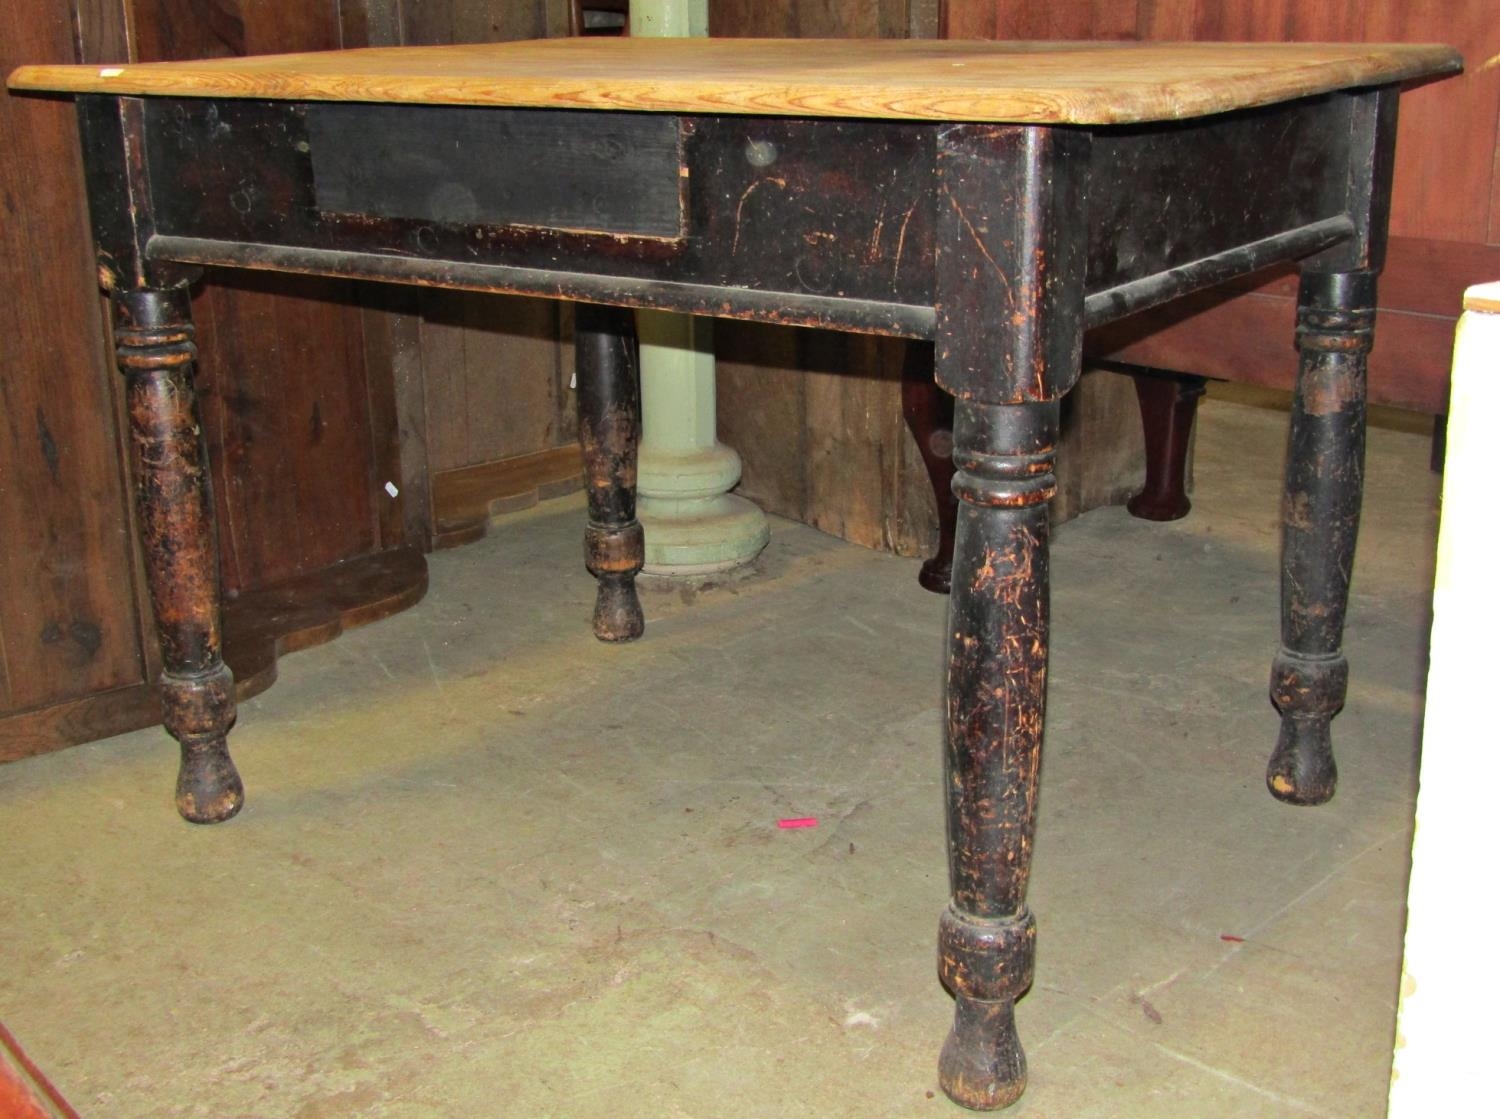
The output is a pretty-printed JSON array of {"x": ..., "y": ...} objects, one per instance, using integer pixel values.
[
  {"x": 609, "y": 432},
  {"x": 996, "y": 695},
  {"x": 155, "y": 353},
  {"x": 1319, "y": 528}
]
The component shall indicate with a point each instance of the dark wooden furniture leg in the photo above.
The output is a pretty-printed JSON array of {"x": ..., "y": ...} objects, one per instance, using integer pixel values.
[
  {"x": 1320, "y": 522},
  {"x": 929, "y": 416},
  {"x": 155, "y": 352},
  {"x": 997, "y": 678},
  {"x": 1009, "y": 341},
  {"x": 609, "y": 431},
  {"x": 1169, "y": 404}
]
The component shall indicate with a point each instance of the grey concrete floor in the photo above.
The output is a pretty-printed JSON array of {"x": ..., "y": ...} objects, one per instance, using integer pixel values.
[{"x": 490, "y": 867}]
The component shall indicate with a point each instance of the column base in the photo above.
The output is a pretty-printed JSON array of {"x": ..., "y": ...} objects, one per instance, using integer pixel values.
[{"x": 698, "y": 536}]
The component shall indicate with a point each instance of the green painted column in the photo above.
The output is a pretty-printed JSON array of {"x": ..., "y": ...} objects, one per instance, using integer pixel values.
[{"x": 693, "y": 523}]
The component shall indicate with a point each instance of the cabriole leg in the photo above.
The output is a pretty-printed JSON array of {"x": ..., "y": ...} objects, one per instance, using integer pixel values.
[
  {"x": 609, "y": 430},
  {"x": 155, "y": 353},
  {"x": 929, "y": 416},
  {"x": 1169, "y": 404},
  {"x": 1320, "y": 522},
  {"x": 997, "y": 678}
]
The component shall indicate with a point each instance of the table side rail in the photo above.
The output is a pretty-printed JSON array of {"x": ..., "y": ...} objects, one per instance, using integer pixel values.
[{"x": 827, "y": 223}]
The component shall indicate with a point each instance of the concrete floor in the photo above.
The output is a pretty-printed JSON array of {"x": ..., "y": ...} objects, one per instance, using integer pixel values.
[{"x": 490, "y": 867}]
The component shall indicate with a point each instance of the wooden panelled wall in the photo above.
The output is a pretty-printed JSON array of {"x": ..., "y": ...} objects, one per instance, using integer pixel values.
[
  {"x": 286, "y": 398},
  {"x": 1445, "y": 219},
  {"x": 70, "y": 621},
  {"x": 302, "y": 431}
]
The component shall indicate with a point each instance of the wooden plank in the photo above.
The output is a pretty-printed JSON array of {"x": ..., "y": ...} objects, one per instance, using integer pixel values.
[
  {"x": 762, "y": 390},
  {"x": 320, "y": 376},
  {"x": 1249, "y": 339},
  {"x": 923, "y": 19},
  {"x": 475, "y": 21},
  {"x": 283, "y": 394},
  {"x": 1494, "y": 227},
  {"x": 511, "y": 353},
  {"x": 445, "y": 372},
  {"x": 259, "y": 627},
  {"x": 914, "y": 521},
  {"x": 1168, "y": 20},
  {"x": 68, "y": 622},
  {"x": 492, "y": 372},
  {"x": 1424, "y": 276},
  {"x": 564, "y": 395},
  {"x": 465, "y": 499},
  {"x": 101, "y": 31},
  {"x": 243, "y": 419},
  {"x": 792, "y": 19},
  {"x": 1101, "y": 456},
  {"x": 1020, "y": 19},
  {"x": 889, "y": 79},
  {"x": 398, "y": 413},
  {"x": 481, "y": 21},
  {"x": 853, "y": 428}
]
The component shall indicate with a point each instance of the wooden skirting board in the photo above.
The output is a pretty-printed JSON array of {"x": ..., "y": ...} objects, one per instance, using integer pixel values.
[
  {"x": 259, "y": 627},
  {"x": 464, "y": 499}
]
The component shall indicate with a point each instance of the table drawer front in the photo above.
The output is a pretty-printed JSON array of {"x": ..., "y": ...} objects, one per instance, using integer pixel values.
[
  {"x": 551, "y": 169},
  {"x": 827, "y": 209}
]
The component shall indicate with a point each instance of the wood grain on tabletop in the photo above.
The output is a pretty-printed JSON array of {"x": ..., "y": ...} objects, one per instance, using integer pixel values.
[{"x": 1061, "y": 83}]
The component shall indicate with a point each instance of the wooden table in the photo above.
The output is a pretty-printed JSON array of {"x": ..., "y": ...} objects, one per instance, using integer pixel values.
[{"x": 994, "y": 198}]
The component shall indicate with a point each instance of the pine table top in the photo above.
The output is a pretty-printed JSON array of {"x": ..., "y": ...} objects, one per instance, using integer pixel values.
[{"x": 887, "y": 79}]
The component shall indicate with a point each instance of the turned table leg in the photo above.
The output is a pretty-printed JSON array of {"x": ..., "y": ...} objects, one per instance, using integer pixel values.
[
  {"x": 997, "y": 677},
  {"x": 1169, "y": 404},
  {"x": 929, "y": 416},
  {"x": 155, "y": 353},
  {"x": 609, "y": 430},
  {"x": 1008, "y": 344},
  {"x": 1320, "y": 522}
]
